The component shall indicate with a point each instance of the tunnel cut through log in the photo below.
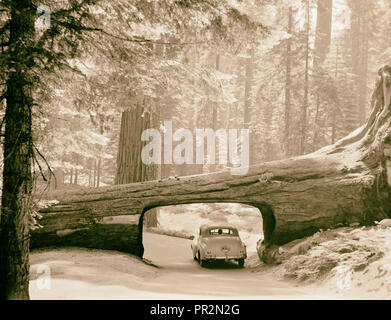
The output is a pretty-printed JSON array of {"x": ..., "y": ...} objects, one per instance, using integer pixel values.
[
  {"x": 344, "y": 183},
  {"x": 267, "y": 227}
]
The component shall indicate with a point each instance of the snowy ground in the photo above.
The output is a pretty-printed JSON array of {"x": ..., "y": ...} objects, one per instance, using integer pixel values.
[
  {"x": 350, "y": 262},
  {"x": 340, "y": 264},
  {"x": 344, "y": 263},
  {"x": 77, "y": 273}
]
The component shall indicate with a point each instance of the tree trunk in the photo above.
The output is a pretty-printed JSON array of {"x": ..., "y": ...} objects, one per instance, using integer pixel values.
[
  {"x": 215, "y": 107},
  {"x": 130, "y": 167},
  {"x": 316, "y": 122},
  {"x": 17, "y": 179},
  {"x": 151, "y": 218},
  {"x": 306, "y": 86},
  {"x": 322, "y": 47},
  {"x": 334, "y": 114},
  {"x": 58, "y": 179},
  {"x": 94, "y": 180},
  {"x": 288, "y": 82},
  {"x": 247, "y": 100},
  {"x": 323, "y": 29},
  {"x": 99, "y": 173},
  {"x": 359, "y": 51},
  {"x": 341, "y": 184},
  {"x": 363, "y": 77}
]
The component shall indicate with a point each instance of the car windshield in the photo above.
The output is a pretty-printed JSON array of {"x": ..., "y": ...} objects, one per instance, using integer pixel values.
[{"x": 222, "y": 232}]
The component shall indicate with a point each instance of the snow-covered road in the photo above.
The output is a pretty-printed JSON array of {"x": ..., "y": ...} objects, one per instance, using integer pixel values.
[
  {"x": 179, "y": 273},
  {"x": 77, "y": 273}
]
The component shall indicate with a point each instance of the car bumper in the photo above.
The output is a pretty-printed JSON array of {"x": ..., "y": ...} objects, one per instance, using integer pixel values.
[{"x": 224, "y": 257}]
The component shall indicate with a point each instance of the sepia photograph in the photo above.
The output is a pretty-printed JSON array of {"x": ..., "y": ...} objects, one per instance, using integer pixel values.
[{"x": 193, "y": 154}]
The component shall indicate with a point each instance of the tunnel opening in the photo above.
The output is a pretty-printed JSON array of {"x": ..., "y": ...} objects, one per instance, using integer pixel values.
[{"x": 166, "y": 233}]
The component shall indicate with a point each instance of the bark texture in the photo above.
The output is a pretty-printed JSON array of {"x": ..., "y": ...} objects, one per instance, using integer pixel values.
[
  {"x": 120, "y": 237},
  {"x": 14, "y": 235},
  {"x": 340, "y": 184},
  {"x": 130, "y": 167}
]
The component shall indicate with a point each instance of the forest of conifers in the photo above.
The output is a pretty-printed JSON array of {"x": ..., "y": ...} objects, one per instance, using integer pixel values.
[
  {"x": 300, "y": 79},
  {"x": 80, "y": 80}
]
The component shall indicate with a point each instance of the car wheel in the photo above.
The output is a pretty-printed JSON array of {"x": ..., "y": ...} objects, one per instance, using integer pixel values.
[
  {"x": 241, "y": 263},
  {"x": 200, "y": 261}
]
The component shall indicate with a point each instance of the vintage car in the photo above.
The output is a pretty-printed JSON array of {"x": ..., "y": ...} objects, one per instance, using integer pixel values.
[{"x": 218, "y": 242}]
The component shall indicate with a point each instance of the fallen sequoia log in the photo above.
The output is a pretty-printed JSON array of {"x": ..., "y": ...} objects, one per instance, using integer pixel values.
[{"x": 348, "y": 182}]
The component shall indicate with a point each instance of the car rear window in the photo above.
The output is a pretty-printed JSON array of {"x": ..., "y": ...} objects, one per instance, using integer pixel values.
[{"x": 222, "y": 231}]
